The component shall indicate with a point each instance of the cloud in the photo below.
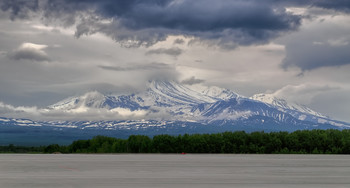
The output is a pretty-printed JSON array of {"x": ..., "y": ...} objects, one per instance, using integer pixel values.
[
  {"x": 179, "y": 41},
  {"x": 136, "y": 23},
  {"x": 337, "y": 5},
  {"x": 335, "y": 104},
  {"x": 338, "y": 42},
  {"x": 325, "y": 44},
  {"x": 192, "y": 81},
  {"x": 303, "y": 93},
  {"x": 11, "y": 111},
  {"x": 80, "y": 112},
  {"x": 19, "y": 8},
  {"x": 143, "y": 23},
  {"x": 340, "y": 5},
  {"x": 145, "y": 72},
  {"x": 167, "y": 51},
  {"x": 308, "y": 56},
  {"x": 151, "y": 66},
  {"x": 30, "y": 51}
]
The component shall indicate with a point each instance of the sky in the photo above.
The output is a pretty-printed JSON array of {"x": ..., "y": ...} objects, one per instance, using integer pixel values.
[{"x": 298, "y": 50}]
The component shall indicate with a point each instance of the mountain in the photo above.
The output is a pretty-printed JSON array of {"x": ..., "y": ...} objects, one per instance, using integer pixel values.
[
  {"x": 168, "y": 107},
  {"x": 166, "y": 96}
]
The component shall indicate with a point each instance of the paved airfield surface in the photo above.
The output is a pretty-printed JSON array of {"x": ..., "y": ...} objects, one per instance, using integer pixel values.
[{"x": 174, "y": 171}]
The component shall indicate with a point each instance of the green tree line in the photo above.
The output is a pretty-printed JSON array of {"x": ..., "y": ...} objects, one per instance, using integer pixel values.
[
  {"x": 308, "y": 142},
  {"x": 298, "y": 142},
  {"x": 21, "y": 149}
]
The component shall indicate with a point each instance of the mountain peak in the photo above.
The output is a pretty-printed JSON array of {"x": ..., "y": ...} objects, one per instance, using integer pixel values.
[
  {"x": 176, "y": 93},
  {"x": 218, "y": 92},
  {"x": 191, "y": 94},
  {"x": 270, "y": 99}
]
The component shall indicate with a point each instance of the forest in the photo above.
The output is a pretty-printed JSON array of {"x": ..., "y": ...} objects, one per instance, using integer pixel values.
[{"x": 298, "y": 142}]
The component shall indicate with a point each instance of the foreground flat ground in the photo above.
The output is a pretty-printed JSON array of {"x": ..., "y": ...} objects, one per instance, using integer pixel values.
[{"x": 174, "y": 171}]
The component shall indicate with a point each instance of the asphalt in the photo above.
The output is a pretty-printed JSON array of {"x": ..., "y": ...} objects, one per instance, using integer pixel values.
[{"x": 174, "y": 171}]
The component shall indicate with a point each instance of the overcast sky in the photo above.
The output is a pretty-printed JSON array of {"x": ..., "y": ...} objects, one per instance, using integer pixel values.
[{"x": 297, "y": 49}]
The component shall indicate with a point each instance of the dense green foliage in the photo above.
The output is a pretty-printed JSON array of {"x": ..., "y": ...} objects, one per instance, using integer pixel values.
[
  {"x": 303, "y": 142},
  {"x": 21, "y": 149}
]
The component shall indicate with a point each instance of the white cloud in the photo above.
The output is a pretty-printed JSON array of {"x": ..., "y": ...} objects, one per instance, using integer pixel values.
[
  {"x": 6, "y": 109},
  {"x": 79, "y": 113},
  {"x": 30, "y": 51},
  {"x": 32, "y": 46},
  {"x": 303, "y": 93},
  {"x": 338, "y": 42}
]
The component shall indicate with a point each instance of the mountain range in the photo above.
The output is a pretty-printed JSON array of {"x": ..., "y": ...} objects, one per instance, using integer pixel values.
[{"x": 166, "y": 107}]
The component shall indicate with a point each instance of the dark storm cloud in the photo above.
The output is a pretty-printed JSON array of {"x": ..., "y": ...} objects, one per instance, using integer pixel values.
[
  {"x": 241, "y": 22},
  {"x": 167, "y": 51},
  {"x": 339, "y": 5},
  {"x": 151, "y": 66},
  {"x": 19, "y": 8},
  {"x": 192, "y": 81}
]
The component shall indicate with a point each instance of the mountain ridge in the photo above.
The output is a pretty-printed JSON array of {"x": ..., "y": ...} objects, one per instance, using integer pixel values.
[{"x": 173, "y": 108}]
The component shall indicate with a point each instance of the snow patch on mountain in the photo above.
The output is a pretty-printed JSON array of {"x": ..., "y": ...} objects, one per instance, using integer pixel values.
[{"x": 173, "y": 93}]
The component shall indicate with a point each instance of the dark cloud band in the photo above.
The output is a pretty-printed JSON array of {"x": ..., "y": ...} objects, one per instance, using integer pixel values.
[
  {"x": 150, "y": 66},
  {"x": 167, "y": 51},
  {"x": 145, "y": 22},
  {"x": 149, "y": 21}
]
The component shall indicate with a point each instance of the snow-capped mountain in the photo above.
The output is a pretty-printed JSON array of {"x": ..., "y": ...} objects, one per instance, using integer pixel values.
[
  {"x": 159, "y": 93},
  {"x": 167, "y": 96},
  {"x": 172, "y": 108},
  {"x": 196, "y": 103}
]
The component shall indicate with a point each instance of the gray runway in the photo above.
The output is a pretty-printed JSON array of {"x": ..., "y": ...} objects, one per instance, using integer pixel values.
[{"x": 174, "y": 171}]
